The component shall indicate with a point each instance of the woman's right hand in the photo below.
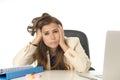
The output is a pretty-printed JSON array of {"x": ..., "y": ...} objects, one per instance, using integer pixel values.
[{"x": 38, "y": 37}]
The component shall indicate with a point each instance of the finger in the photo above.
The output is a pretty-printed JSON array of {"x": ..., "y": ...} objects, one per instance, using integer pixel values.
[{"x": 61, "y": 30}]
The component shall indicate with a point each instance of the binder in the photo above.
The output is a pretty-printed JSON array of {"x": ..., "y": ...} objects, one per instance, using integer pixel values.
[{"x": 19, "y": 73}]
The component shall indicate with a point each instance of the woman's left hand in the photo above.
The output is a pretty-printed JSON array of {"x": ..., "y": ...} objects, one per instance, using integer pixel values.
[
  {"x": 62, "y": 40},
  {"x": 61, "y": 31}
]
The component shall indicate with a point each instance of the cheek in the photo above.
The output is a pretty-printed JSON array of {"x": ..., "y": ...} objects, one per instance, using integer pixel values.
[
  {"x": 58, "y": 37},
  {"x": 45, "y": 38}
]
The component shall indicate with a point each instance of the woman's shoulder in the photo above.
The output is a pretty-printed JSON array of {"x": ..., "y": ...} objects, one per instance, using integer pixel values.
[
  {"x": 72, "y": 42},
  {"x": 72, "y": 39}
]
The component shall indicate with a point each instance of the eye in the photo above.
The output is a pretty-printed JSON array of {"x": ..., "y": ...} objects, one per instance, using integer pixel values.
[
  {"x": 55, "y": 31},
  {"x": 46, "y": 33}
]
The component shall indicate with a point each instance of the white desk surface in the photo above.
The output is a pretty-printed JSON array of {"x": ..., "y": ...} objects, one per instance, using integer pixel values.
[{"x": 65, "y": 75}]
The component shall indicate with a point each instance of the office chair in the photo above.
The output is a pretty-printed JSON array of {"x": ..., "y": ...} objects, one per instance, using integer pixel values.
[{"x": 83, "y": 40}]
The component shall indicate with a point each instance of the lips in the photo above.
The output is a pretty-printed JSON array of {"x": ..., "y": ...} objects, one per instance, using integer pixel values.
[{"x": 54, "y": 42}]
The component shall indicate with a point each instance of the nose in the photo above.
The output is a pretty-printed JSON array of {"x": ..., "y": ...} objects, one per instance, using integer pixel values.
[{"x": 52, "y": 36}]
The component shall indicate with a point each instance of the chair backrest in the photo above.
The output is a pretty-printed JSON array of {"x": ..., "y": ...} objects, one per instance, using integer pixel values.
[{"x": 83, "y": 40}]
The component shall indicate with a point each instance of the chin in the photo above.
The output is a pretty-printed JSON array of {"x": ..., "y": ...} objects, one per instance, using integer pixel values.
[{"x": 53, "y": 47}]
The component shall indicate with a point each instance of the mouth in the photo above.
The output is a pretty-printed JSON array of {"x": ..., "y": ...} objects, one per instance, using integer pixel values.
[{"x": 54, "y": 42}]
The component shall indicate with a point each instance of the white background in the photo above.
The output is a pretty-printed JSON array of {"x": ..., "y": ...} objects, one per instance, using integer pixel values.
[{"x": 94, "y": 17}]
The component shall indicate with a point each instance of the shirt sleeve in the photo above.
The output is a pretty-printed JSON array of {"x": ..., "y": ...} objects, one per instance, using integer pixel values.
[
  {"x": 24, "y": 56},
  {"x": 77, "y": 56}
]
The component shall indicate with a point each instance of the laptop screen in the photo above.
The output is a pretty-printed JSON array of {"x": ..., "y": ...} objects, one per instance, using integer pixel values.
[{"x": 111, "y": 69}]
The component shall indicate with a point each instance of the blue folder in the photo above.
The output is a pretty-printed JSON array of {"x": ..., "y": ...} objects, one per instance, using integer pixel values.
[{"x": 19, "y": 73}]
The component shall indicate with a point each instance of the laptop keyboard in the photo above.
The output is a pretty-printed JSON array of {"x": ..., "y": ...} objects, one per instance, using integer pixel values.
[{"x": 98, "y": 76}]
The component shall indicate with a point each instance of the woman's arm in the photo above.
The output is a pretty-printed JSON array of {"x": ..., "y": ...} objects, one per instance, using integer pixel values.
[
  {"x": 74, "y": 52},
  {"x": 76, "y": 55},
  {"x": 25, "y": 56}
]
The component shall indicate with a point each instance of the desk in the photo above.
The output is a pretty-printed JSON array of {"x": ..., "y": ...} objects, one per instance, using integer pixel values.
[{"x": 63, "y": 75}]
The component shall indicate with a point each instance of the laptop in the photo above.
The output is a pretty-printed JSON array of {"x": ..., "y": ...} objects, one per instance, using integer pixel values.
[{"x": 111, "y": 68}]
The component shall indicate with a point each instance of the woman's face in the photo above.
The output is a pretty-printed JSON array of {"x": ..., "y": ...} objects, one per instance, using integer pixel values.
[{"x": 51, "y": 36}]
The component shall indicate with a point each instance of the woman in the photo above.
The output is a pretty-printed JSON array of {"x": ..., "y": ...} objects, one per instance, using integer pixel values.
[{"x": 51, "y": 49}]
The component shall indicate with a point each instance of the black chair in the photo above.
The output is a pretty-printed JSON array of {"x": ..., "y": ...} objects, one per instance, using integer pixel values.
[{"x": 83, "y": 40}]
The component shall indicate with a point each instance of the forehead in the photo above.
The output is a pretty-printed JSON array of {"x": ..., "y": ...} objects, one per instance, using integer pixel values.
[{"x": 50, "y": 26}]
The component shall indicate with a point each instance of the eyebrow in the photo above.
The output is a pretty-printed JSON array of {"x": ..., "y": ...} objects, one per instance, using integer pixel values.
[
  {"x": 55, "y": 29},
  {"x": 48, "y": 31}
]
